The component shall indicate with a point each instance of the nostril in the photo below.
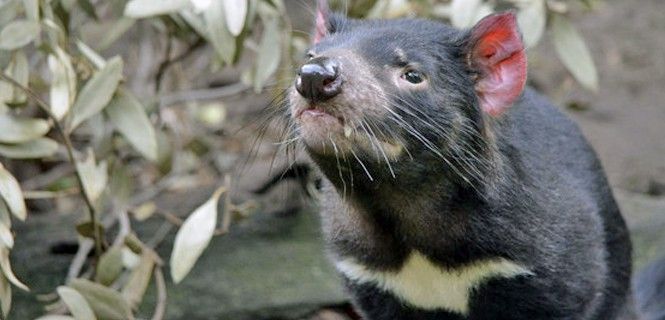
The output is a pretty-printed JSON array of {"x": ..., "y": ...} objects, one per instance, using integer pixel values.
[{"x": 318, "y": 79}]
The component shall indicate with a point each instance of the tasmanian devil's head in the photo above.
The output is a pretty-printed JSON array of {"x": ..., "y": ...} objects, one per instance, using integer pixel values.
[{"x": 372, "y": 92}]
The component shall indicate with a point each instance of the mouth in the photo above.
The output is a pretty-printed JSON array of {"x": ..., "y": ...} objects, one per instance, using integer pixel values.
[{"x": 313, "y": 111}]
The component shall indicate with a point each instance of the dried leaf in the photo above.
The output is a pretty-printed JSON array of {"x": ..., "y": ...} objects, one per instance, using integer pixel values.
[
  {"x": 129, "y": 117},
  {"x": 144, "y": 211},
  {"x": 5, "y": 296},
  {"x": 63, "y": 83},
  {"x": 573, "y": 52},
  {"x": 95, "y": 177},
  {"x": 76, "y": 303},
  {"x": 236, "y": 11},
  {"x": 221, "y": 38},
  {"x": 193, "y": 237},
  {"x": 6, "y": 236},
  {"x": 97, "y": 92},
  {"x": 269, "y": 54},
  {"x": 109, "y": 266},
  {"x": 18, "y": 33},
  {"x": 147, "y": 8},
  {"x": 138, "y": 281},
  {"x": 17, "y": 130},
  {"x": 105, "y": 302},
  {"x": 33, "y": 149},
  {"x": 11, "y": 192},
  {"x": 7, "y": 269}
]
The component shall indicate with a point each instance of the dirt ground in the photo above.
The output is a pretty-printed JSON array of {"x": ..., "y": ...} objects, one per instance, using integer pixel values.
[{"x": 625, "y": 120}]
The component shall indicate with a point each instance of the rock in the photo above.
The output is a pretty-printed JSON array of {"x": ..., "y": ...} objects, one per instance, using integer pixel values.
[
  {"x": 270, "y": 265},
  {"x": 645, "y": 216}
]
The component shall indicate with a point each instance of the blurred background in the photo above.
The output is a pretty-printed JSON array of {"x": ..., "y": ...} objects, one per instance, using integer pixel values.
[{"x": 141, "y": 149}]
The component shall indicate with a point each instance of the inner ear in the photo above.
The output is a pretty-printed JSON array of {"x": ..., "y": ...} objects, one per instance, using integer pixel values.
[
  {"x": 496, "y": 52},
  {"x": 322, "y": 25}
]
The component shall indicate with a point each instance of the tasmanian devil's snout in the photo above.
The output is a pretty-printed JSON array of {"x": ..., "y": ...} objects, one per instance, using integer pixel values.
[{"x": 319, "y": 79}]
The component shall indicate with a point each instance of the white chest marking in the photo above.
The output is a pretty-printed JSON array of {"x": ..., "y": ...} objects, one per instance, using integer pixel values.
[{"x": 424, "y": 285}]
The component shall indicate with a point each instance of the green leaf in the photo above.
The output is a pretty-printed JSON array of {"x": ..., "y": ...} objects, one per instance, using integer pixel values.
[
  {"x": 147, "y": 8},
  {"x": 464, "y": 12},
  {"x": 193, "y": 237},
  {"x": 7, "y": 269},
  {"x": 573, "y": 52},
  {"x": 5, "y": 296},
  {"x": 138, "y": 281},
  {"x": 33, "y": 149},
  {"x": 236, "y": 11},
  {"x": 97, "y": 92},
  {"x": 55, "y": 317},
  {"x": 220, "y": 37},
  {"x": 95, "y": 177},
  {"x": 76, "y": 303},
  {"x": 115, "y": 31},
  {"x": 269, "y": 53},
  {"x": 195, "y": 22},
  {"x": 107, "y": 303},
  {"x": 129, "y": 117},
  {"x": 17, "y": 130},
  {"x": 85, "y": 229},
  {"x": 97, "y": 60},
  {"x": 20, "y": 72},
  {"x": 6, "y": 236},
  {"x": 11, "y": 192},
  {"x": 18, "y": 33},
  {"x": 5, "y": 215},
  {"x": 109, "y": 266},
  {"x": 63, "y": 83},
  {"x": 532, "y": 17},
  {"x": 88, "y": 8},
  {"x": 31, "y": 9}
]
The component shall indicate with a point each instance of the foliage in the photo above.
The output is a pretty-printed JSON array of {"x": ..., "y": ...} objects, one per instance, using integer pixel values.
[{"x": 103, "y": 115}]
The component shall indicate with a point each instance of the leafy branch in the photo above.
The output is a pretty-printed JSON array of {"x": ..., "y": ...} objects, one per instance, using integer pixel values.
[{"x": 70, "y": 153}]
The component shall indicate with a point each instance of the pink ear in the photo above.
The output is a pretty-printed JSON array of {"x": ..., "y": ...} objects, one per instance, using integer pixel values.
[
  {"x": 496, "y": 51},
  {"x": 322, "y": 21}
]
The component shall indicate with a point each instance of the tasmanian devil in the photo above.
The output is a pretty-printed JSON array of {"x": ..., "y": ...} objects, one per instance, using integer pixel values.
[{"x": 450, "y": 191}]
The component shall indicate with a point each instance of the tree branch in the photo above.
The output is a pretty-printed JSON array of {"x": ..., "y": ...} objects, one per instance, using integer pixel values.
[{"x": 70, "y": 152}]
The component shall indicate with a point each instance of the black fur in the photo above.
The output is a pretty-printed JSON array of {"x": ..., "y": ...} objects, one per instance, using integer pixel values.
[{"x": 526, "y": 187}]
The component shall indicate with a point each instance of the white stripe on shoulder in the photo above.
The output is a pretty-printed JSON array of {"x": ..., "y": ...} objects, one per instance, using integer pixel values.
[{"x": 424, "y": 285}]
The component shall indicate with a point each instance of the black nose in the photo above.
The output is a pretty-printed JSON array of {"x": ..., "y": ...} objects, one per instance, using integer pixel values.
[{"x": 319, "y": 80}]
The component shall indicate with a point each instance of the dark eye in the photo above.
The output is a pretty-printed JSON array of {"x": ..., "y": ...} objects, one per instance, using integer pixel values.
[
  {"x": 309, "y": 54},
  {"x": 413, "y": 76}
]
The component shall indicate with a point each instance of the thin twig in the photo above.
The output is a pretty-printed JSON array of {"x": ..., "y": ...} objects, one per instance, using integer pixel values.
[
  {"x": 79, "y": 259},
  {"x": 160, "y": 307},
  {"x": 203, "y": 94},
  {"x": 47, "y": 178},
  {"x": 41, "y": 194},
  {"x": 70, "y": 152},
  {"x": 168, "y": 61},
  {"x": 171, "y": 218}
]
